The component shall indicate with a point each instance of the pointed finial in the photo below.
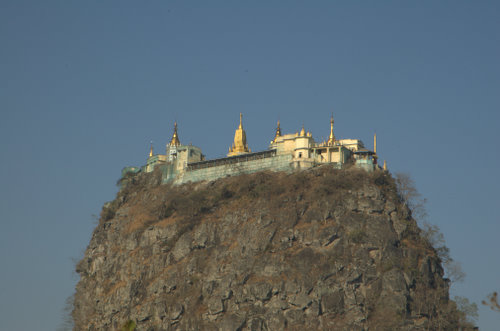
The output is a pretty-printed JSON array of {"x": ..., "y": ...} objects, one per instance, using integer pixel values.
[
  {"x": 331, "y": 139},
  {"x": 175, "y": 138},
  {"x": 151, "y": 149},
  {"x": 278, "y": 132},
  {"x": 241, "y": 121},
  {"x": 385, "y": 165},
  {"x": 375, "y": 143},
  {"x": 303, "y": 131}
]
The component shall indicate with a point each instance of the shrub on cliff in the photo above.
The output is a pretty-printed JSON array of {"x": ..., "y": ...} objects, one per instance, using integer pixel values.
[{"x": 315, "y": 249}]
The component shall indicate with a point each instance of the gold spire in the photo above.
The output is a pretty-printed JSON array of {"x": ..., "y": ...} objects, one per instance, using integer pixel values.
[
  {"x": 240, "y": 141},
  {"x": 151, "y": 150},
  {"x": 303, "y": 131},
  {"x": 175, "y": 139},
  {"x": 331, "y": 139},
  {"x": 278, "y": 132},
  {"x": 375, "y": 143},
  {"x": 385, "y": 165}
]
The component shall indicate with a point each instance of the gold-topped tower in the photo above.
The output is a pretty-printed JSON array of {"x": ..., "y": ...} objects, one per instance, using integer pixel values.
[
  {"x": 286, "y": 152},
  {"x": 175, "y": 138},
  {"x": 331, "y": 139},
  {"x": 240, "y": 141},
  {"x": 278, "y": 132}
]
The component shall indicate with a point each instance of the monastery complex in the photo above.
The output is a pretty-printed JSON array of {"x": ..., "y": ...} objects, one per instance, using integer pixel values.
[{"x": 286, "y": 152}]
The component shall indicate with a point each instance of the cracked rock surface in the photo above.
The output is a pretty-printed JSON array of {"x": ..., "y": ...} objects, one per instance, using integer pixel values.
[{"x": 322, "y": 249}]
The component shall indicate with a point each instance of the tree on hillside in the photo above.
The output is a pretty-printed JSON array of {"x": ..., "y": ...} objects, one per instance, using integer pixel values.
[
  {"x": 67, "y": 323},
  {"x": 468, "y": 310},
  {"x": 413, "y": 199},
  {"x": 410, "y": 196}
]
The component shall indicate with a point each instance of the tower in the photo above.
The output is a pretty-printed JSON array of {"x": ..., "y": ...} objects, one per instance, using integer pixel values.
[
  {"x": 175, "y": 138},
  {"x": 240, "y": 141},
  {"x": 172, "y": 146},
  {"x": 278, "y": 132},
  {"x": 331, "y": 139}
]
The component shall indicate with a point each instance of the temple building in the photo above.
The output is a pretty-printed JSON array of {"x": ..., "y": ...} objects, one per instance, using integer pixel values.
[
  {"x": 286, "y": 152},
  {"x": 177, "y": 154}
]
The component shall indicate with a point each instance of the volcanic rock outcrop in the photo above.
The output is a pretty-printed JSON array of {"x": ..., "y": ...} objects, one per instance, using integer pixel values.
[{"x": 321, "y": 249}]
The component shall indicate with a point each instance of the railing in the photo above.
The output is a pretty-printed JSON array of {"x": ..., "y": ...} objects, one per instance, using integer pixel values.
[{"x": 231, "y": 160}]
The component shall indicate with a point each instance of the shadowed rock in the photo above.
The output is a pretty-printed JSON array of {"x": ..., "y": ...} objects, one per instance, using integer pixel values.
[{"x": 322, "y": 249}]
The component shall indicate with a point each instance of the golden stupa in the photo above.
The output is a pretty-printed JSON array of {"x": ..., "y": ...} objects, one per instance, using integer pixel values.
[
  {"x": 175, "y": 138},
  {"x": 240, "y": 141}
]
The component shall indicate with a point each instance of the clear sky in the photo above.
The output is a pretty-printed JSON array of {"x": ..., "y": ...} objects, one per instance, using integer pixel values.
[{"x": 86, "y": 85}]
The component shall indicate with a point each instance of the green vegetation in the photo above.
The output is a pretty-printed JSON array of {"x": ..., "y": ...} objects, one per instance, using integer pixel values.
[
  {"x": 129, "y": 326},
  {"x": 109, "y": 210}
]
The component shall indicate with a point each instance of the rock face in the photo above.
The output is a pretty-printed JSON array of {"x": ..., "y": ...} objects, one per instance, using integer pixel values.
[{"x": 322, "y": 249}]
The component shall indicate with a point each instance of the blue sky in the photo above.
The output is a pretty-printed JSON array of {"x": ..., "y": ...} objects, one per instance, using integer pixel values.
[{"x": 86, "y": 85}]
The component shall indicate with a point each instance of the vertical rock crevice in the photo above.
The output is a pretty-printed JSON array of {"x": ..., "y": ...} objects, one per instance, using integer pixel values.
[{"x": 317, "y": 250}]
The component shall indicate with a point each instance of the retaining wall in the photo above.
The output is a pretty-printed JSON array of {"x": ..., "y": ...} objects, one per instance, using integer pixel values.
[{"x": 275, "y": 163}]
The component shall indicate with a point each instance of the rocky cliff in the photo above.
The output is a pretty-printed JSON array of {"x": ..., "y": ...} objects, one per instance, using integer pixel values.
[{"x": 321, "y": 249}]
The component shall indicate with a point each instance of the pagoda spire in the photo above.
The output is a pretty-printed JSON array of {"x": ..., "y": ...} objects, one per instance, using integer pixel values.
[
  {"x": 151, "y": 150},
  {"x": 278, "y": 132},
  {"x": 240, "y": 141},
  {"x": 331, "y": 139},
  {"x": 175, "y": 138}
]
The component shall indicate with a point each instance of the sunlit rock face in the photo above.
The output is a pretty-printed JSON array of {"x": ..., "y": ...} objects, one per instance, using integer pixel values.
[{"x": 322, "y": 249}]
